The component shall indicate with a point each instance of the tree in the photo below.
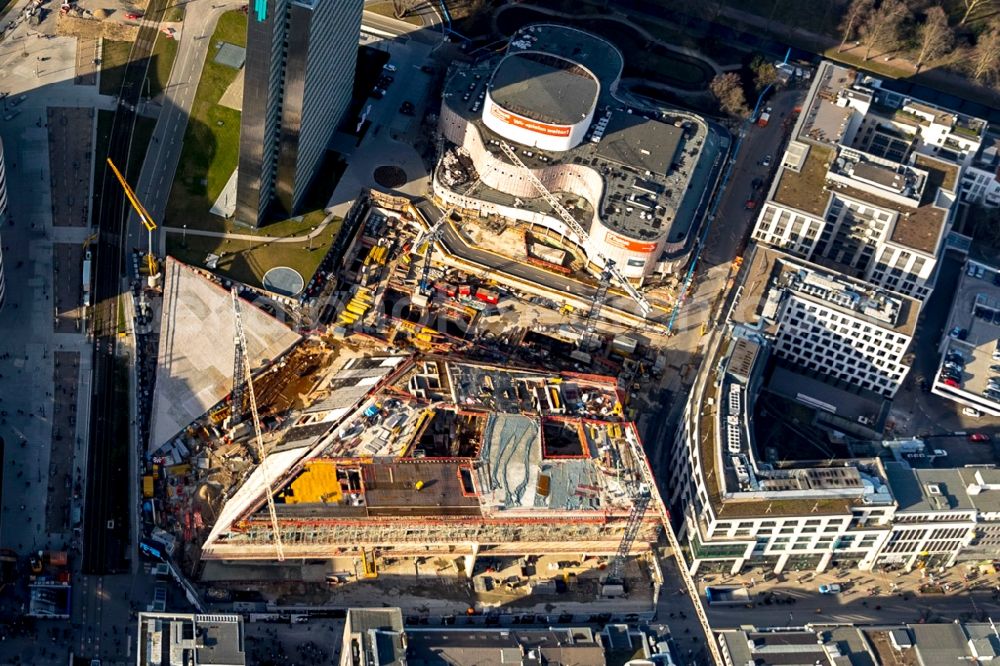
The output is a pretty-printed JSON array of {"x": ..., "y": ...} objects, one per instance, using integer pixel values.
[
  {"x": 973, "y": 5},
  {"x": 986, "y": 57},
  {"x": 883, "y": 26},
  {"x": 729, "y": 91},
  {"x": 764, "y": 73},
  {"x": 855, "y": 15},
  {"x": 936, "y": 38}
]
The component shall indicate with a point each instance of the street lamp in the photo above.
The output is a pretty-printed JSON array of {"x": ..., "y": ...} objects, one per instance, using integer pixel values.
[
  {"x": 184, "y": 238},
  {"x": 311, "y": 238}
]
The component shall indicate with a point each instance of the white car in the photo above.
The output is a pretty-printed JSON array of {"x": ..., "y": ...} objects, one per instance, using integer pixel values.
[
  {"x": 389, "y": 67},
  {"x": 971, "y": 411}
]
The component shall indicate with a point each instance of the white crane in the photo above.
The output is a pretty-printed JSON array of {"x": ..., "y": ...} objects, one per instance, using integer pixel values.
[
  {"x": 609, "y": 265},
  {"x": 241, "y": 350}
]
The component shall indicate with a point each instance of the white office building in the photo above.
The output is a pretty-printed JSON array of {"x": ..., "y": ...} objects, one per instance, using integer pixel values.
[
  {"x": 860, "y": 187},
  {"x": 826, "y": 322}
]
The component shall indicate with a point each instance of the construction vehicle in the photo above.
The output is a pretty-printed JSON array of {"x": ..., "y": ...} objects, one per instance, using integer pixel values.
[
  {"x": 144, "y": 217},
  {"x": 238, "y": 380}
]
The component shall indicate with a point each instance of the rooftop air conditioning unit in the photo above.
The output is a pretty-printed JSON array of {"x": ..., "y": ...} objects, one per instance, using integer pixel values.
[{"x": 933, "y": 489}]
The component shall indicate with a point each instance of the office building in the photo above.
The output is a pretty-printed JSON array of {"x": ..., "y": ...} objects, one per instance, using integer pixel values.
[
  {"x": 184, "y": 639},
  {"x": 826, "y": 322},
  {"x": 378, "y": 637},
  {"x": 743, "y": 507},
  {"x": 301, "y": 57},
  {"x": 869, "y": 181}
]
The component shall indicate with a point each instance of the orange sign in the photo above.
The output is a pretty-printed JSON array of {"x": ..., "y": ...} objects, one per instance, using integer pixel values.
[
  {"x": 518, "y": 121},
  {"x": 627, "y": 244}
]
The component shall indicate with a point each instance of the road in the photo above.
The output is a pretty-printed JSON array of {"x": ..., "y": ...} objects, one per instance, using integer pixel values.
[
  {"x": 106, "y": 511},
  {"x": 164, "y": 152}
]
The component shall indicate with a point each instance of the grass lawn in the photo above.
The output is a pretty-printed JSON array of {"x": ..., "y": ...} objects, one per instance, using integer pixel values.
[
  {"x": 385, "y": 9},
  {"x": 164, "y": 53},
  {"x": 114, "y": 57},
  {"x": 174, "y": 12},
  {"x": 212, "y": 140},
  {"x": 248, "y": 261}
]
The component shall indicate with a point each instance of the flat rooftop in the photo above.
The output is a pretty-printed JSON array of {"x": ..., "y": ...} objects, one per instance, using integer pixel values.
[
  {"x": 544, "y": 87},
  {"x": 957, "y": 489},
  {"x": 975, "y": 308},
  {"x": 179, "y": 639},
  {"x": 194, "y": 365},
  {"x": 645, "y": 163},
  {"x": 771, "y": 270},
  {"x": 596, "y": 54}
]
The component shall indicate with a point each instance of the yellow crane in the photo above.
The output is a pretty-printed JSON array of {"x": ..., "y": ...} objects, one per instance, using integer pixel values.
[{"x": 144, "y": 216}]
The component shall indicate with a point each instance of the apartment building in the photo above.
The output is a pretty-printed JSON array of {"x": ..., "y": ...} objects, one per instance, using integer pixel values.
[
  {"x": 827, "y": 322},
  {"x": 740, "y": 510},
  {"x": 863, "y": 187}
]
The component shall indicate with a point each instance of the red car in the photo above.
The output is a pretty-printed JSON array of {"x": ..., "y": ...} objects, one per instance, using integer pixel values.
[
  {"x": 133, "y": 16},
  {"x": 948, "y": 381},
  {"x": 979, "y": 437}
]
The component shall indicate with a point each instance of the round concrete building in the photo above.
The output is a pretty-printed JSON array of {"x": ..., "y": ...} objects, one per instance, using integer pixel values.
[
  {"x": 541, "y": 100},
  {"x": 622, "y": 173}
]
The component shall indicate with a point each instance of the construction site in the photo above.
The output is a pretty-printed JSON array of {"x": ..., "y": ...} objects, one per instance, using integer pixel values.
[{"x": 374, "y": 452}]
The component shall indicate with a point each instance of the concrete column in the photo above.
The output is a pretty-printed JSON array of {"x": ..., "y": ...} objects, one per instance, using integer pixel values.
[
  {"x": 824, "y": 562},
  {"x": 470, "y": 561},
  {"x": 782, "y": 561},
  {"x": 737, "y": 566},
  {"x": 693, "y": 569}
]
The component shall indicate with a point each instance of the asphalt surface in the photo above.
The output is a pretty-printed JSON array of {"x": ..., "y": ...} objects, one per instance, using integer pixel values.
[{"x": 107, "y": 496}]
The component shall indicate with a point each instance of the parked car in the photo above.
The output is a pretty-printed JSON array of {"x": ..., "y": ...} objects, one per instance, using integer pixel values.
[
  {"x": 979, "y": 437},
  {"x": 389, "y": 67},
  {"x": 750, "y": 204},
  {"x": 971, "y": 411},
  {"x": 948, "y": 381},
  {"x": 832, "y": 588},
  {"x": 958, "y": 333},
  {"x": 955, "y": 357},
  {"x": 766, "y": 162},
  {"x": 133, "y": 16}
]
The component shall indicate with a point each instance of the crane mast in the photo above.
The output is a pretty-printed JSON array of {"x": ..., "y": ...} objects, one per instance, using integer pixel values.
[
  {"x": 241, "y": 351},
  {"x": 144, "y": 216},
  {"x": 571, "y": 222}
]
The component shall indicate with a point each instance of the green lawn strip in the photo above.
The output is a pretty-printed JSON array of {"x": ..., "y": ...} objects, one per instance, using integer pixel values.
[
  {"x": 114, "y": 58},
  {"x": 248, "y": 261},
  {"x": 174, "y": 13},
  {"x": 212, "y": 139},
  {"x": 164, "y": 53}
]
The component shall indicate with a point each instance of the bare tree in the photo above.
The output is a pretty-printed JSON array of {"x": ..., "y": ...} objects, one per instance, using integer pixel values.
[
  {"x": 883, "y": 26},
  {"x": 729, "y": 91},
  {"x": 936, "y": 38},
  {"x": 855, "y": 15},
  {"x": 986, "y": 57},
  {"x": 973, "y": 5}
]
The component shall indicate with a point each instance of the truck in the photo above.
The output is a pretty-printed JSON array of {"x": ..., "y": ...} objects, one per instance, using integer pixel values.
[
  {"x": 87, "y": 261},
  {"x": 764, "y": 119},
  {"x": 727, "y": 595}
]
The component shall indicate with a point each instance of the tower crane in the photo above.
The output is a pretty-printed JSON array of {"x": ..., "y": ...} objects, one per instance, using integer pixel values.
[
  {"x": 144, "y": 216},
  {"x": 244, "y": 375},
  {"x": 609, "y": 265}
]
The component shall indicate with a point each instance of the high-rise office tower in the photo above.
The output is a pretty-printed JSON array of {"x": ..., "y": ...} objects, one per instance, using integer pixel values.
[
  {"x": 301, "y": 57},
  {"x": 3, "y": 220}
]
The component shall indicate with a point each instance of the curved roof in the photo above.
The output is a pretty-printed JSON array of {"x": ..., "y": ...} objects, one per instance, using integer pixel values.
[{"x": 544, "y": 87}]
